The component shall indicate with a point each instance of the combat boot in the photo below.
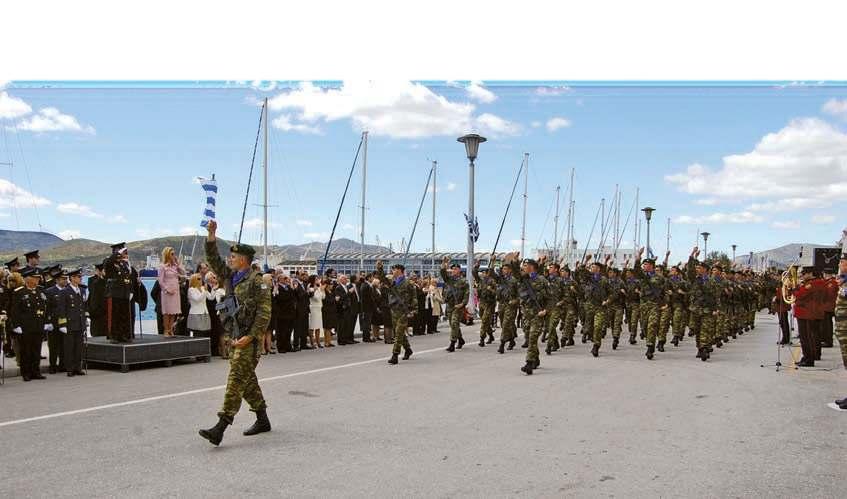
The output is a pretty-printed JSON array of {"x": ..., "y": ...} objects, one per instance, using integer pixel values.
[
  {"x": 643, "y": 335},
  {"x": 490, "y": 338},
  {"x": 525, "y": 343},
  {"x": 452, "y": 347},
  {"x": 585, "y": 338},
  {"x": 705, "y": 355},
  {"x": 527, "y": 368},
  {"x": 699, "y": 352},
  {"x": 216, "y": 433},
  {"x": 461, "y": 343},
  {"x": 661, "y": 347},
  {"x": 548, "y": 350},
  {"x": 595, "y": 350},
  {"x": 718, "y": 343},
  {"x": 675, "y": 341},
  {"x": 407, "y": 352},
  {"x": 261, "y": 425},
  {"x": 511, "y": 344},
  {"x": 632, "y": 340},
  {"x": 841, "y": 401},
  {"x": 544, "y": 337},
  {"x": 650, "y": 350},
  {"x": 615, "y": 343},
  {"x": 393, "y": 359},
  {"x": 536, "y": 364},
  {"x": 482, "y": 342},
  {"x": 502, "y": 348}
]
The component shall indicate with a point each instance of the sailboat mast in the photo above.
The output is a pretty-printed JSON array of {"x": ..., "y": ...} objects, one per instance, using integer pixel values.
[
  {"x": 265, "y": 205},
  {"x": 525, "y": 185},
  {"x": 554, "y": 256},
  {"x": 570, "y": 219},
  {"x": 635, "y": 238},
  {"x": 364, "y": 192},
  {"x": 434, "y": 184}
]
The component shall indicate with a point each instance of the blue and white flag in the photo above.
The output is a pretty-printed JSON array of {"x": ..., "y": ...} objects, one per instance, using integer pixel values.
[
  {"x": 473, "y": 227},
  {"x": 210, "y": 187}
]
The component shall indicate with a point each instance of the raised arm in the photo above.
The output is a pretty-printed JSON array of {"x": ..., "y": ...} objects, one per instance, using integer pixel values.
[{"x": 213, "y": 257}]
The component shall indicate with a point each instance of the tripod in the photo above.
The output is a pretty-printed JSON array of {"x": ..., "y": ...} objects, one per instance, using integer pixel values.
[{"x": 779, "y": 347}]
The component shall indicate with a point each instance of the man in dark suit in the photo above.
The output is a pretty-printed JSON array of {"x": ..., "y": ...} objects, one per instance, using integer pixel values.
[
  {"x": 367, "y": 306},
  {"x": 285, "y": 302},
  {"x": 70, "y": 318},
  {"x": 55, "y": 341},
  {"x": 301, "y": 314},
  {"x": 342, "y": 304}
]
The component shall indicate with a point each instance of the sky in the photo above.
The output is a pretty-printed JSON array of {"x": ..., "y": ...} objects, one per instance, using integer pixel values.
[{"x": 758, "y": 165}]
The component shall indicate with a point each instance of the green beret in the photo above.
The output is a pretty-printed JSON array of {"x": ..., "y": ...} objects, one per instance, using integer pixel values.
[{"x": 243, "y": 249}]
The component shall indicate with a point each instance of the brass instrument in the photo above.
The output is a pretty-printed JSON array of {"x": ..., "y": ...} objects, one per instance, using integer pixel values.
[{"x": 790, "y": 281}]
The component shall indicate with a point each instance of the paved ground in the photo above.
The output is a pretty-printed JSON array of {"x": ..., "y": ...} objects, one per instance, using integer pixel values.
[{"x": 441, "y": 425}]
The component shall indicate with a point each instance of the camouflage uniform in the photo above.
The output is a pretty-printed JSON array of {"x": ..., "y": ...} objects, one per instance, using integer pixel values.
[
  {"x": 253, "y": 317},
  {"x": 633, "y": 306},
  {"x": 596, "y": 291},
  {"x": 403, "y": 302},
  {"x": 456, "y": 294},
  {"x": 652, "y": 287},
  {"x": 507, "y": 296},
  {"x": 841, "y": 317},
  {"x": 615, "y": 305},
  {"x": 554, "y": 313},
  {"x": 702, "y": 304},
  {"x": 570, "y": 308},
  {"x": 487, "y": 288},
  {"x": 534, "y": 295},
  {"x": 678, "y": 291}
]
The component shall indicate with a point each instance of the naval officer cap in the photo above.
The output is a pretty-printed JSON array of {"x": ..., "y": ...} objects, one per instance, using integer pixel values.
[
  {"x": 75, "y": 272},
  {"x": 32, "y": 254},
  {"x": 118, "y": 247},
  {"x": 13, "y": 263},
  {"x": 31, "y": 272},
  {"x": 243, "y": 249}
]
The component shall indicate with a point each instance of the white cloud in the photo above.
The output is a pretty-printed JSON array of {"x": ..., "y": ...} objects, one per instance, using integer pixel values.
[
  {"x": 536, "y": 124},
  {"x": 836, "y": 107},
  {"x": 789, "y": 224},
  {"x": 78, "y": 209},
  {"x": 50, "y": 119},
  {"x": 263, "y": 86},
  {"x": 348, "y": 227},
  {"x": 69, "y": 234},
  {"x": 395, "y": 109},
  {"x": 117, "y": 219},
  {"x": 258, "y": 223},
  {"x": 304, "y": 223},
  {"x": 284, "y": 123},
  {"x": 152, "y": 233},
  {"x": 553, "y": 91},
  {"x": 806, "y": 161},
  {"x": 451, "y": 186},
  {"x": 823, "y": 219},
  {"x": 12, "y": 196},
  {"x": 556, "y": 123},
  {"x": 315, "y": 235},
  {"x": 706, "y": 202},
  {"x": 788, "y": 204},
  {"x": 12, "y": 107},
  {"x": 516, "y": 243},
  {"x": 742, "y": 217},
  {"x": 187, "y": 231},
  {"x": 479, "y": 93}
]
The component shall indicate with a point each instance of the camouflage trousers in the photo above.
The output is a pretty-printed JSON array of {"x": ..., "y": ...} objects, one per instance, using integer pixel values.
[
  {"x": 722, "y": 324},
  {"x": 509, "y": 330},
  {"x": 242, "y": 382},
  {"x": 633, "y": 314},
  {"x": 554, "y": 316},
  {"x": 400, "y": 324},
  {"x": 595, "y": 319},
  {"x": 614, "y": 319},
  {"x": 533, "y": 328},
  {"x": 841, "y": 331},
  {"x": 702, "y": 324},
  {"x": 678, "y": 319},
  {"x": 454, "y": 315},
  {"x": 486, "y": 311},
  {"x": 650, "y": 316},
  {"x": 569, "y": 316},
  {"x": 665, "y": 315}
]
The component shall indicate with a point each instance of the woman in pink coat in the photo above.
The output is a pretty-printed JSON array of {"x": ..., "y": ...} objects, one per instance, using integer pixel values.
[{"x": 170, "y": 274}]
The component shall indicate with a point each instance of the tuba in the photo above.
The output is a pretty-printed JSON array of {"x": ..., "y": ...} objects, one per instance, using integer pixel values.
[{"x": 790, "y": 280}]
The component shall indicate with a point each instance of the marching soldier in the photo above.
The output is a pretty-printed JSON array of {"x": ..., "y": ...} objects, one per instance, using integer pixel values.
[
  {"x": 596, "y": 291},
  {"x": 120, "y": 284},
  {"x": 556, "y": 290},
  {"x": 28, "y": 318},
  {"x": 633, "y": 304},
  {"x": 570, "y": 307},
  {"x": 841, "y": 308},
  {"x": 403, "y": 301},
  {"x": 652, "y": 298},
  {"x": 722, "y": 300},
  {"x": 678, "y": 292},
  {"x": 456, "y": 294},
  {"x": 70, "y": 319},
  {"x": 702, "y": 304},
  {"x": 487, "y": 287},
  {"x": 615, "y": 304},
  {"x": 534, "y": 296},
  {"x": 507, "y": 296},
  {"x": 247, "y": 315}
]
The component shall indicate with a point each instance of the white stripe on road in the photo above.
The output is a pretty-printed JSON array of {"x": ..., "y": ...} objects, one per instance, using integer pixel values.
[{"x": 199, "y": 390}]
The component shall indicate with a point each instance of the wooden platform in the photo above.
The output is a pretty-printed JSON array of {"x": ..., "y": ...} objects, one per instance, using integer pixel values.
[{"x": 146, "y": 349}]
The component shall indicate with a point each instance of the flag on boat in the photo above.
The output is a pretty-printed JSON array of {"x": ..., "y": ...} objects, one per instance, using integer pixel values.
[
  {"x": 473, "y": 227},
  {"x": 210, "y": 188}
]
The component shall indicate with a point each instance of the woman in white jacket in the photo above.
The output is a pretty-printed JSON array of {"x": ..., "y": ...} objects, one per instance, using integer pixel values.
[
  {"x": 199, "y": 322},
  {"x": 317, "y": 293}
]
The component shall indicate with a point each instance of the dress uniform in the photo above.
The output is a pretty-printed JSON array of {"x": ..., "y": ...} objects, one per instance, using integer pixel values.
[
  {"x": 55, "y": 339},
  {"x": 96, "y": 302},
  {"x": 28, "y": 317},
  {"x": 119, "y": 292},
  {"x": 70, "y": 318}
]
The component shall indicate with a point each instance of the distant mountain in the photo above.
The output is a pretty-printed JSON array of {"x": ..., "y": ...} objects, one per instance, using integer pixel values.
[
  {"x": 782, "y": 256},
  {"x": 25, "y": 241}
]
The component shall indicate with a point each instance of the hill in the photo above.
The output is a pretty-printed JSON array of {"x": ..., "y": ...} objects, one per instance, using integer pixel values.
[
  {"x": 24, "y": 241},
  {"x": 782, "y": 256}
]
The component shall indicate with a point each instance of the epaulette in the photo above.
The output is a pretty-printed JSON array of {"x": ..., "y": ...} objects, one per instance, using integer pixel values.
[{"x": 19, "y": 288}]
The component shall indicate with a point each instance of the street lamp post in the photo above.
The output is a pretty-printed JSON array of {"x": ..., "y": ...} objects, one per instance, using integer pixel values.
[
  {"x": 705, "y": 244},
  {"x": 648, "y": 214},
  {"x": 472, "y": 142},
  {"x": 733, "y": 253}
]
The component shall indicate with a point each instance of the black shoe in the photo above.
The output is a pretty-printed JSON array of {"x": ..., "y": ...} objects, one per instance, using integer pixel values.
[
  {"x": 536, "y": 364},
  {"x": 452, "y": 347},
  {"x": 71, "y": 374},
  {"x": 705, "y": 356},
  {"x": 548, "y": 350},
  {"x": 650, "y": 350},
  {"x": 502, "y": 348},
  {"x": 511, "y": 344},
  {"x": 407, "y": 352},
  {"x": 570, "y": 342},
  {"x": 595, "y": 350},
  {"x": 38, "y": 376},
  {"x": 525, "y": 344},
  {"x": 642, "y": 335},
  {"x": 615, "y": 342},
  {"x": 718, "y": 343},
  {"x": 690, "y": 333},
  {"x": 699, "y": 353},
  {"x": 261, "y": 425},
  {"x": 841, "y": 401},
  {"x": 353, "y": 342},
  {"x": 843, "y": 406},
  {"x": 10, "y": 354},
  {"x": 806, "y": 363},
  {"x": 675, "y": 341},
  {"x": 52, "y": 370},
  {"x": 216, "y": 433},
  {"x": 527, "y": 368},
  {"x": 461, "y": 343},
  {"x": 490, "y": 338},
  {"x": 482, "y": 342},
  {"x": 393, "y": 359},
  {"x": 26, "y": 378},
  {"x": 632, "y": 340},
  {"x": 585, "y": 338},
  {"x": 661, "y": 346},
  {"x": 79, "y": 373}
]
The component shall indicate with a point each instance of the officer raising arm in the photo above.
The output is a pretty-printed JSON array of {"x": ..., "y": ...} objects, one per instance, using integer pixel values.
[{"x": 247, "y": 312}]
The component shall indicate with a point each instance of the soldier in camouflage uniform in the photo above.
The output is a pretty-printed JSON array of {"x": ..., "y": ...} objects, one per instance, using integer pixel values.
[
  {"x": 678, "y": 294},
  {"x": 534, "y": 296},
  {"x": 841, "y": 309},
  {"x": 487, "y": 292},
  {"x": 570, "y": 307},
  {"x": 633, "y": 304},
  {"x": 702, "y": 304},
  {"x": 722, "y": 302},
  {"x": 554, "y": 315},
  {"x": 456, "y": 294},
  {"x": 403, "y": 302},
  {"x": 253, "y": 300},
  {"x": 507, "y": 297},
  {"x": 596, "y": 291},
  {"x": 615, "y": 305},
  {"x": 652, "y": 287}
]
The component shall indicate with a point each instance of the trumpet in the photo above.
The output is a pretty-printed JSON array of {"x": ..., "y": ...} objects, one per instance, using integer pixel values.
[{"x": 790, "y": 280}]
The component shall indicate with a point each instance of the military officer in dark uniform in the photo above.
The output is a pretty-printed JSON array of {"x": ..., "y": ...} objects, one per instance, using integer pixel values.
[
  {"x": 119, "y": 294},
  {"x": 6, "y": 304},
  {"x": 55, "y": 340},
  {"x": 13, "y": 265},
  {"x": 32, "y": 260},
  {"x": 97, "y": 301},
  {"x": 69, "y": 316},
  {"x": 29, "y": 313}
]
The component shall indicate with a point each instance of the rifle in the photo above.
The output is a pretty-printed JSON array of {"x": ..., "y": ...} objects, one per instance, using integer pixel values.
[{"x": 228, "y": 309}]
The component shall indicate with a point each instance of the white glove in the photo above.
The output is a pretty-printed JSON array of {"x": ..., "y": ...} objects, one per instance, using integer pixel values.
[
  {"x": 87, "y": 322},
  {"x": 18, "y": 330},
  {"x": 63, "y": 330},
  {"x": 131, "y": 295},
  {"x": 48, "y": 327}
]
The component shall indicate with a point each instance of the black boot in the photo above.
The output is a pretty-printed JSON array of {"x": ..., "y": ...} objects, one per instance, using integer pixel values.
[
  {"x": 502, "y": 348},
  {"x": 511, "y": 344},
  {"x": 632, "y": 340},
  {"x": 718, "y": 343},
  {"x": 482, "y": 342},
  {"x": 650, "y": 350},
  {"x": 699, "y": 353},
  {"x": 570, "y": 342},
  {"x": 705, "y": 356},
  {"x": 675, "y": 341},
  {"x": 393, "y": 359},
  {"x": 525, "y": 343},
  {"x": 548, "y": 350},
  {"x": 595, "y": 350},
  {"x": 615, "y": 343},
  {"x": 261, "y": 425},
  {"x": 461, "y": 343},
  {"x": 216, "y": 433},
  {"x": 528, "y": 367},
  {"x": 490, "y": 338},
  {"x": 585, "y": 338},
  {"x": 661, "y": 347},
  {"x": 452, "y": 347},
  {"x": 407, "y": 352}
]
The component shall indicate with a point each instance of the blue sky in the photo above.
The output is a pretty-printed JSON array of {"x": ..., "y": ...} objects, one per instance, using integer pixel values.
[{"x": 756, "y": 165}]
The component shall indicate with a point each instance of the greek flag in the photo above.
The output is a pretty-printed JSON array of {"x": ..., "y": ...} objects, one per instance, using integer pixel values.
[
  {"x": 473, "y": 227},
  {"x": 210, "y": 187}
]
